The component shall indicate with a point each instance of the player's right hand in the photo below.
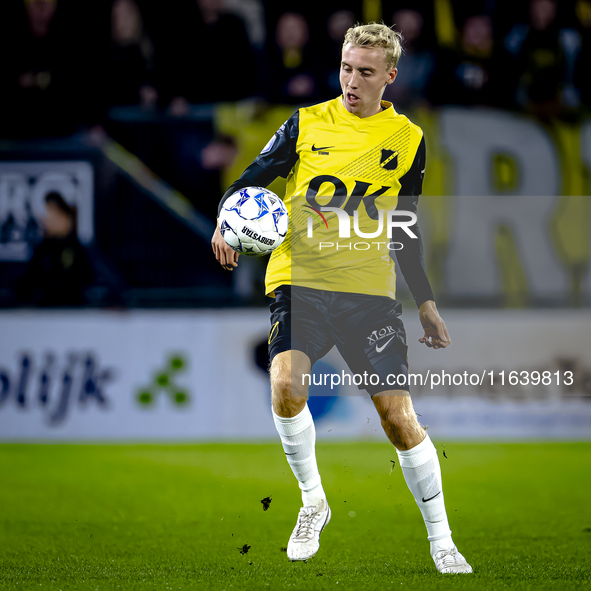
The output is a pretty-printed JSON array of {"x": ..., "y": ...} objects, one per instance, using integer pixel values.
[
  {"x": 226, "y": 256},
  {"x": 436, "y": 335}
]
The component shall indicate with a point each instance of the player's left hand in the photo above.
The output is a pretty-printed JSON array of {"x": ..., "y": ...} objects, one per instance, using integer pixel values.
[
  {"x": 436, "y": 335},
  {"x": 224, "y": 254}
]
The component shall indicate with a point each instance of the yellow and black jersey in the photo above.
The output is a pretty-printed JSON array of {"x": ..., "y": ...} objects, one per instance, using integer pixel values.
[{"x": 365, "y": 167}]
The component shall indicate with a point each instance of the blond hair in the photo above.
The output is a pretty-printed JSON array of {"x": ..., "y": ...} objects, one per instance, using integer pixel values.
[{"x": 377, "y": 35}]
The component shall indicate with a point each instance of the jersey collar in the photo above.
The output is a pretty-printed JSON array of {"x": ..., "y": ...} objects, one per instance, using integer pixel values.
[{"x": 386, "y": 112}]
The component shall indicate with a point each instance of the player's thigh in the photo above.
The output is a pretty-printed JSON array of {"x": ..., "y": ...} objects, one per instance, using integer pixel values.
[
  {"x": 299, "y": 336},
  {"x": 298, "y": 323}
]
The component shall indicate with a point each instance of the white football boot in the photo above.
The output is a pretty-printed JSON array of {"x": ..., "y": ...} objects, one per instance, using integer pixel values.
[
  {"x": 305, "y": 538},
  {"x": 451, "y": 561}
]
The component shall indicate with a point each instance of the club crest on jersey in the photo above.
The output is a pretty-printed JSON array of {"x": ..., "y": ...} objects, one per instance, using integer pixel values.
[{"x": 389, "y": 159}]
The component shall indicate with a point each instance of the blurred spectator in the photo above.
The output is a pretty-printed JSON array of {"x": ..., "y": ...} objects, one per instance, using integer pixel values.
[
  {"x": 130, "y": 68},
  {"x": 540, "y": 64},
  {"x": 417, "y": 63},
  {"x": 252, "y": 14},
  {"x": 207, "y": 47},
  {"x": 61, "y": 271},
  {"x": 329, "y": 58},
  {"x": 33, "y": 81},
  {"x": 40, "y": 14},
  {"x": 214, "y": 158},
  {"x": 337, "y": 24},
  {"x": 199, "y": 158},
  {"x": 473, "y": 74},
  {"x": 317, "y": 15},
  {"x": 47, "y": 81},
  {"x": 292, "y": 62}
]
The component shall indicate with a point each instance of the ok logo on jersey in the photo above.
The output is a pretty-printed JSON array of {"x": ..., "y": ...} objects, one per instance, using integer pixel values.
[
  {"x": 340, "y": 194},
  {"x": 391, "y": 219}
]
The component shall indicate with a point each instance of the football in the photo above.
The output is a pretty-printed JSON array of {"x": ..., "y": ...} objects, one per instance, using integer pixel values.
[{"x": 254, "y": 221}]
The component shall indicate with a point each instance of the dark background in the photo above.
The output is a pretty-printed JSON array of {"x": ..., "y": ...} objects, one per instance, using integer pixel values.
[{"x": 75, "y": 75}]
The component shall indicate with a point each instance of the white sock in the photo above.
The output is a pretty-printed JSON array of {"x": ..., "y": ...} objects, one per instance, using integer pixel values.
[
  {"x": 420, "y": 466},
  {"x": 298, "y": 437}
]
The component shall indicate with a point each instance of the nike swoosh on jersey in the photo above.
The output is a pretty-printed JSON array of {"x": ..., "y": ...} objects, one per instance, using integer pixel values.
[
  {"x": 380, "y": 349},
  {"x": 315, "y": 149}
]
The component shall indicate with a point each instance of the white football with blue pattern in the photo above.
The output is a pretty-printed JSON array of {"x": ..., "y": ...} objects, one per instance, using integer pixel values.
[{"x": 254, "y": 221}]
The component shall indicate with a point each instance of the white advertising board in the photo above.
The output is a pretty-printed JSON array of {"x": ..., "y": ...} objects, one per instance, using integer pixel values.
[{"x": 192, "y": 375}]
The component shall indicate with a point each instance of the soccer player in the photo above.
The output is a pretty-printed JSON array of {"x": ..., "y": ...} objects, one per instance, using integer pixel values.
[{"x": 354, "y": 153}]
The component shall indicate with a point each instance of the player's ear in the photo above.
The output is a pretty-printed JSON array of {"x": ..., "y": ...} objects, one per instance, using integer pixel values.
[{"x": 392, "y": 75}]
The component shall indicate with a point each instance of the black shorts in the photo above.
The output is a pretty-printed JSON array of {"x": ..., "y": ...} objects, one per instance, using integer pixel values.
[{"x": 367, "y": 330}]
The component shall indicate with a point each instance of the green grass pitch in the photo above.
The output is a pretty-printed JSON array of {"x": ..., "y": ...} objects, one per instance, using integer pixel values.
[{"x": 169, "y": 517}]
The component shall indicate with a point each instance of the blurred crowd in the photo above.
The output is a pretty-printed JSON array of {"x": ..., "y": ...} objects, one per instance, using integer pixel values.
[
  {"x": 70, "y": 66},
  {"x": 69, "y": 62}
]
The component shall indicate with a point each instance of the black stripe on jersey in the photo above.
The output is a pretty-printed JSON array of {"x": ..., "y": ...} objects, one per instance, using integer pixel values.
[
  {"x": 281, "y": 156},
  {"x": 412, "y": 182},
  {"x": 410, "y": 258}
]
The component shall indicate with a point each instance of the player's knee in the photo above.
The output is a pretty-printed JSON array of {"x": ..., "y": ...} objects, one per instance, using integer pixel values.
[
  {"x": 398, "y": 421},
  {"x": 286, "y": 378},
  {"x": 398, "y": 414},
  {"x": 287, "y": 386},
  {"x": 288, "y": 407},
  {"x": 285, "y": 404},
  {"x": 289, "y": 392},
  {"x": 288, "y": 397},
  {"x": 281, "y": 386}
]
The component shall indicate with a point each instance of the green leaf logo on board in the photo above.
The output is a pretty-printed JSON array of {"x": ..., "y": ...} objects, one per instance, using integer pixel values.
[{"x": 164, "y": 382}]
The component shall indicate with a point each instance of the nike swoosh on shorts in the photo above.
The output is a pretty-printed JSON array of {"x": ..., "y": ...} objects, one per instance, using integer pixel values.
[{"x": 380, "y": 349}]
